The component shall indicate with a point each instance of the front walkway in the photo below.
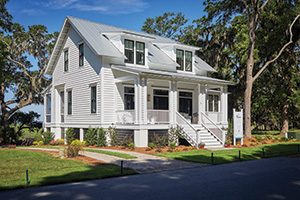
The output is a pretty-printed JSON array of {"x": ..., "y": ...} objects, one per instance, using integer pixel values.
[{"x": 144, "y": 163}]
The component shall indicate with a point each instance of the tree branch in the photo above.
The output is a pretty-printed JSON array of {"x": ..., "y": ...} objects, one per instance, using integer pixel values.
[
  {"x": 263, "y": 6},
  {"x": 280, "y": 52}
]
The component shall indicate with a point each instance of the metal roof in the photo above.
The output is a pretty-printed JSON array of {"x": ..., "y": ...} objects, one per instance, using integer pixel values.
[
  {"x": 139, "y": 71},
  {"x": 200, "y": 64},
  {"x": 156, "y": 56}
]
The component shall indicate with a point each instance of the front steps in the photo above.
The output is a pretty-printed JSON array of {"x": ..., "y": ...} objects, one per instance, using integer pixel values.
[{"x": 207, "y": 138}]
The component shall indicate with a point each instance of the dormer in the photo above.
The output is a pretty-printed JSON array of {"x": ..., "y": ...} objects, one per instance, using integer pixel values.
[{"x": 184, "y": 56}]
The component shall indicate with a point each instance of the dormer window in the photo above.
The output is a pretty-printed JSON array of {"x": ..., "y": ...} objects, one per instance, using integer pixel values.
[
  {"x": 81, "y": 54},
  {"x": 129, "y": 52},
  {"x": 135, "y": 52},
  {"x": 184, "y": 60}
]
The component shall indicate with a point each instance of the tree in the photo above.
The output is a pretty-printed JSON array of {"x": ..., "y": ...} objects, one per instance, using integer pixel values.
[
  {"x": 168, "y": 25},
  {"x": 223, "y": 11},
  {"x": 17, "y": 74}
]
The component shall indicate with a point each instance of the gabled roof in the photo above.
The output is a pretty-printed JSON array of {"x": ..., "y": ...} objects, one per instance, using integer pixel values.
[
  {"x": 156, "y": 56},
  {"x": 201, "y": 65}
]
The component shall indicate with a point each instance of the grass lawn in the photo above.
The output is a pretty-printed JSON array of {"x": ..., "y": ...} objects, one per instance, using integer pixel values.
[
  {"x": 232, "y": 155},
  {"x": 46, "y": 170},
  {"x": 120, "y": 155}
]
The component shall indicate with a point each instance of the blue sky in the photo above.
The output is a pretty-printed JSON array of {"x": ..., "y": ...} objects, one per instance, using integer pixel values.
[{"x": 129, "y": 14}]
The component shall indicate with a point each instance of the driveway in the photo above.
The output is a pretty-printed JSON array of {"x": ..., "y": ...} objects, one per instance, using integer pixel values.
[{"x": 273, "y": 178}]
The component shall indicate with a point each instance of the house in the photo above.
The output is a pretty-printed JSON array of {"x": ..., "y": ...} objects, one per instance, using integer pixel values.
[{"x": 141, "y": 83}]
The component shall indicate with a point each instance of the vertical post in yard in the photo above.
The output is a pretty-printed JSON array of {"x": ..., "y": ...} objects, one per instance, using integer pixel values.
[
  {"x": 298, "y": 149},
  {"x": 27, "y": 179},
  {"x": 121, "y": 167},
  {"x": 263, "y": 152},
  {"x": 239, "y": 155},
  {"x": 212, "y": 158}
]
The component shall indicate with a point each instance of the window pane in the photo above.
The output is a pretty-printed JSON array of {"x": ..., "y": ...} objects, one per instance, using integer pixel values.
[
  {"x": 188, "y": 61},
  {"x": 140, "y": 53},
  {"x": 48, "y": 105},
  {"x": 210, "y": 103},
  {"x": 81, "y": 54},
  {"x": 62, "y": 102},
  {"x": 70, "y": 102},
  {"x": 161, "y": 92},
  {"x": 66, "y": 60},
  {"x": 128, "y": 98},
  {"x": 186, "y": 94},
  {"x": 93, "y": 99},
  {"x": 216, "y": 103},
  {"x": 179, "y": 59},
  {"x": 129, "y": 89},
  {"x": 129, "y": 51}
]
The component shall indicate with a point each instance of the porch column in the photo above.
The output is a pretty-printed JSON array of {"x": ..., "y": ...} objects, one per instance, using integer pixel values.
[
  {"x": 137, "y": 99},
  {"x": 224, "y": 104},
  {"x": 81, "y": 134},
  {"x": 172, "y": 101},
  {"x": 144, "y": 118},
  {"x": 201, "y": 101}
]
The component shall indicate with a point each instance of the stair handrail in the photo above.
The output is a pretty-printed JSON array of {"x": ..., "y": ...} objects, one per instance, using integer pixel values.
[
  {"x": 190, "y": 125},
  {"x": 203, "y": 114}
]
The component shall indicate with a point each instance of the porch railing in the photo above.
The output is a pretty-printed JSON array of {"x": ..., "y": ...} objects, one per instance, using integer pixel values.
[
  {"x": 188, "y": 129},
  {"x": 215, "y": 116},
  {"x": 216, "y": 130},
  {"x": 125, "y": 116},
  {"x": 158, "y": 116}
]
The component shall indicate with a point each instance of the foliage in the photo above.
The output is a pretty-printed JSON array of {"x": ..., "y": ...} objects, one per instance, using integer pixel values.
[
  {"x": 201, "y": 144},
  {"x": 35, "y": 143},
  {"x": 12, "y": 146},
  {"x": 160, "y": 141},
  {"x": 229, "y": 135},
  {"x": 131, "y": 146},
  {"x": 172, "y": 145},
  {"x": 101, "y": 141},
  {"x": 174, "y": 133},
  {"x": 91, "y": 136},
  {"x": 27, "y": 142},
  {"x": 127, "y": 140},
  {"x": 70, "y": 134},
  {"x": 151, "y": 145},
  {"x": 48, "y": 137},
  {"x": 74, "y": 148},
  {"x": 113, "y": 135},
  {"x": 57, "y": 142},
  {"x": 41, "y": 143}
]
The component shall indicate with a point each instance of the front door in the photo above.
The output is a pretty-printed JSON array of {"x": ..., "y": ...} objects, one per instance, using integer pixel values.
[{"x": 186, "y": 103}]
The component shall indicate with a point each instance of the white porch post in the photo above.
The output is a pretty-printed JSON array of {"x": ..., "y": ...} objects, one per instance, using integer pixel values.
[
  {"x": 144, "y": 102},
  {"x": 224, "y": 105},
  {"x": 81, "y": 134},
  {"x": 172, "y": 101},
  {"x": 201, "y": 101},
  {"x": 137, "y": 83}
]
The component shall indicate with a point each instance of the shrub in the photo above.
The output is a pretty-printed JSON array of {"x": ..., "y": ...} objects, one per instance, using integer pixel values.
[
  {"x": 70, "y": 135},
  {"x": 160, "y": 141},
  {"x": 101, "y": 141},
  {"x": 27, "y": 142},
  {"x": 38, "y": 136},
  {"x": 127, "y": 140},
  {"x": 91, "y": 136},
  {"x": 35, "y": 143},
  {"x": 283, "y": 139},
  {"x": 113, "y": 134},
  {"x": 57, "y": 142},
  {"x": 48, "y": 137},
  {"x": 131, "y": 146},
  {"x": 41, "y": 143},
  {"x": 229, "y": 135},
  {"x": 174, "y": 133},
  {"x": 74, "y": 148},
  {"x": 83, "y": 143},
  {"x": 12, "y": 146},
  {"x": 151, "y": 145},
  {"x": 172, "y": 145}
]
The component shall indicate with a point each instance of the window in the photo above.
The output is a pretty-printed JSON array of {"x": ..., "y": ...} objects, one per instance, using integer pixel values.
[
  {"x": 140, "y": 53},
  {"x": 186, "y": 103},
  {"x": 161, "y": 99},
  {"x": 66, "y": 59},
  {"x": 188, "y": 61},
  {"x": 129, "y": 98},
  {"x": 129, "y": 53},
  {"x": 93, "y": 99},
  {"x": 48, "y": 108},
  {"x": 69, "y": 102},
  {"x": 213, "y": 103},
  {"x": 179, "y": 59},
  {"x": 62, "y": 106},
  {"x": 62, "y": 130},
  {"x": 81, "y": 54}
]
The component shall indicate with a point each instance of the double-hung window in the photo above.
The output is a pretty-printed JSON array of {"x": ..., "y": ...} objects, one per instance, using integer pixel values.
[
  {"x": 179, "y": 59},
  {"x": 213, "y": 103},
  {"x": 93, "y": 99},
  {"x": 188, "y": 61},
  {"x": 69, "y": 102},
  {"x": 66, "y": 60},
  {"x": 140, "y": 53},
  {"x": 185, "y": 60},
  {"x": 129, "y": 98},
  {"x": 129, "y": 52},
  {"x": 81, "y": 54}
]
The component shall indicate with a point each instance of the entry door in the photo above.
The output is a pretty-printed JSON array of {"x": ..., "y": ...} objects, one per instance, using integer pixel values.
[{"x": 186, "y": 103}]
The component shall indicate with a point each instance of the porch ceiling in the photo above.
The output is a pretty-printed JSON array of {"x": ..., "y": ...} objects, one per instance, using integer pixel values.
[{"x": 170, "y": 75}]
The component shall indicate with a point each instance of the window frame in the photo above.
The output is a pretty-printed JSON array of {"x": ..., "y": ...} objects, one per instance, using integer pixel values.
[
  {"x": 213, "y": 104},
  {"x": 181, "y": 67},
  {"x": 81, "y": 54},
  {"x": 138, "y": 52},
  {"x": 66, "y": 60},
  {"x": 127, "y": 94},
  {"x": 70, "y": 97},
  {"x": 185, "y": 61},
  {"x": 94, "y": 100},
  {"x": 129, "y": 50}
]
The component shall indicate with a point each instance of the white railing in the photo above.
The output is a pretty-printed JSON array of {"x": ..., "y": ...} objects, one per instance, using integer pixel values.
[
  {"x": 187, "y": 128},
  {"x": 216, "y": 131},
  {"x": 214, "y": 116},
  {"x": 126, "y": 116},
  {"x": 158, "y": 116}
]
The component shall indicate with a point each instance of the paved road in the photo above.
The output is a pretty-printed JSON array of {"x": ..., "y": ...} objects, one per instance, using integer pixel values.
[{"x": 274, "y": 178}]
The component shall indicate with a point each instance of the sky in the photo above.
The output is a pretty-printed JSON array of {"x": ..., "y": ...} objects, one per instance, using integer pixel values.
[{"x": 129, "y": 14}]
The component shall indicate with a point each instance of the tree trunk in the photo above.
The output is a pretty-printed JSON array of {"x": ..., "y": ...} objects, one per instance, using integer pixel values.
[{"x": 285, "y": 120}]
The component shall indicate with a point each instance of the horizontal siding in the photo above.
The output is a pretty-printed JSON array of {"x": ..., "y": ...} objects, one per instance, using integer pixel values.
[
  {"x": 109, "y": 89},
  {"x": 79, "y": 79}
]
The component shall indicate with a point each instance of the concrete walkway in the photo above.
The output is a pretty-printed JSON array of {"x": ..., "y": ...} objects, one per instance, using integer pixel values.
[{"x": 144, "y": 163}]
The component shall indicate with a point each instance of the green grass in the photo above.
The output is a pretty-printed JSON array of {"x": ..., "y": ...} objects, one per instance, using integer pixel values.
[
  {"x": 257, "y": 132},
  {"x": 232, "y": 155},
  {"x": 46, "y": 170},
  {"x": 120, "y": 155}
]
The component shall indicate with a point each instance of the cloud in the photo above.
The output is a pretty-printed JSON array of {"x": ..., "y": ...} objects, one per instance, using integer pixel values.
[
  {"x": 103, "y": 7},
  {"x": 32, "y": 12}
]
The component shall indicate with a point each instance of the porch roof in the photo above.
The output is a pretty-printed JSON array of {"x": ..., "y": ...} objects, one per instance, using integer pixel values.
[{"x": 170, "y": 75}]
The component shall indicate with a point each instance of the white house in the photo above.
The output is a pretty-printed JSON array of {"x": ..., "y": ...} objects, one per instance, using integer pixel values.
[{"x": 140, "y": 83}]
